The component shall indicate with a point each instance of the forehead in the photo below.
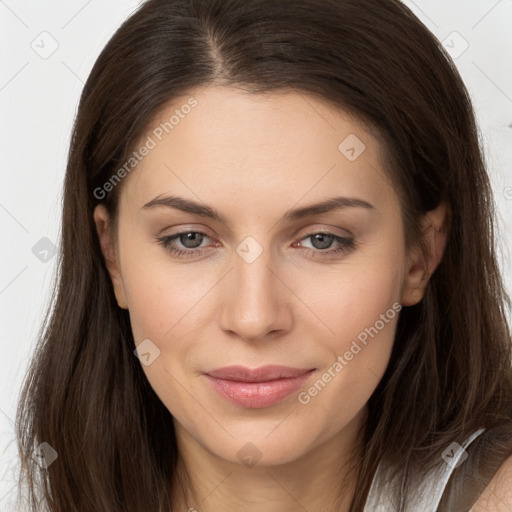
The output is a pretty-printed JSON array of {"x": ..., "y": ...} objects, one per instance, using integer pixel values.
[{"x": 241, "y": 148}]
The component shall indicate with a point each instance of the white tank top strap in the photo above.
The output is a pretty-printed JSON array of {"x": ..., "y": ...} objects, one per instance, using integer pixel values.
[{"x": 427, "y": 494}]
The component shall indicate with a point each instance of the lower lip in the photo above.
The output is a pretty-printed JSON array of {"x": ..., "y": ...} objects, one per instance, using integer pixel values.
[{"x": 256, "y": 395}]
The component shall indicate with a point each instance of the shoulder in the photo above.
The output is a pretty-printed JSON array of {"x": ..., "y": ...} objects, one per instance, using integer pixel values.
[{"x": 497, "y": 496}]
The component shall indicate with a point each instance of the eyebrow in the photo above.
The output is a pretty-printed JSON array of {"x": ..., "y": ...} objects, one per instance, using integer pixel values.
[{"x": 189, "y": 206}]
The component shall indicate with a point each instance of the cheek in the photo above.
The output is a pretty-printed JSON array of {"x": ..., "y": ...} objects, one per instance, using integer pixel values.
[
  {"x": 356, "y": 358},
  {"x": 369, "y": 302},
  {"x": 163, "y": 302},
  {"x": 161, "y": 295},
  {"x": 152, "y": 308},
  {"x": 353, "y": 297},
  {"x": 361, "y": 310}
]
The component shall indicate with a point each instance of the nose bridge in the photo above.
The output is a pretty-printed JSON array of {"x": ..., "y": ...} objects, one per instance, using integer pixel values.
[{"x": 252, "y": 303}]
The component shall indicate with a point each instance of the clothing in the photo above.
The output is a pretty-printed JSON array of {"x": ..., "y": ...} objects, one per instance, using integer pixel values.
[{"x": 429, "y": 491}]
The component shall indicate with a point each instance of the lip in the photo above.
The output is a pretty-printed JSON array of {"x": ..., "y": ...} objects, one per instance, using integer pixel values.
[{"x": 256, "y": 388}]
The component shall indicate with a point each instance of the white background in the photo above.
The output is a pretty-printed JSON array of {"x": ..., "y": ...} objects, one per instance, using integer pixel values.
[{"x": 38, "y": 99}]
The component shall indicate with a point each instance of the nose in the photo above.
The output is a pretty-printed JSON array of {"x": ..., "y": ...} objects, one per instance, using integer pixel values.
[{"x": 256, "y": 301}]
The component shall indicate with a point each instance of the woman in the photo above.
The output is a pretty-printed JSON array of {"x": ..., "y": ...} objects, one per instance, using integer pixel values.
[{"x": 278, "y": 285}]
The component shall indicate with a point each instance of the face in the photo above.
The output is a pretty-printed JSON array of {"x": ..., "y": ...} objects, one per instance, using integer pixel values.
[{"x": 266, "y": 281}]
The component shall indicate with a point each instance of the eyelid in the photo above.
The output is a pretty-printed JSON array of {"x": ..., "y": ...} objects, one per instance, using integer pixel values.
[
  {"x": 180, "y": 229},
  {"x": 324, "y": 228}
]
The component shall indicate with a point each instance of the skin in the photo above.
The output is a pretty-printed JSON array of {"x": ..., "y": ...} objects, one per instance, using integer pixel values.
[
  {"x": 253, "y": 158},
  {"x": 497, "y": 496}
]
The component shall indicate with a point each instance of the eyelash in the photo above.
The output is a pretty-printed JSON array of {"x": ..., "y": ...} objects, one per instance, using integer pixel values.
[{"x": 346, "y": 244}]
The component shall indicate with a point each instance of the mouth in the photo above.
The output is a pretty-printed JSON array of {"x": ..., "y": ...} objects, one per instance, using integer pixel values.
[{"x": 258, "y": 387}]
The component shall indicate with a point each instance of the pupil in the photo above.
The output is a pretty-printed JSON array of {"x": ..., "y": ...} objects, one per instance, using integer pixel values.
[
  {"x": 325, "y": 241},
  {"x": 191, "y": 237}
]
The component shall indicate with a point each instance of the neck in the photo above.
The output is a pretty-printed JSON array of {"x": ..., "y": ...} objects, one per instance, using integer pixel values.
[{"x": 321, "y": 479}]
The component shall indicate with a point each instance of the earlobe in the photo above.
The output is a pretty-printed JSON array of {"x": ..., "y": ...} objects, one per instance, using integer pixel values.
[
  {"x": 102, "y": 222},
  {"x": 422, "y": 266}
]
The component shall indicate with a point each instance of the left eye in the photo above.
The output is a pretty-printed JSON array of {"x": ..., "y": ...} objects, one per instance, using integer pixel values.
[
  {"x": 191, "y": 241},
  {"x": 325, "y": 240}
]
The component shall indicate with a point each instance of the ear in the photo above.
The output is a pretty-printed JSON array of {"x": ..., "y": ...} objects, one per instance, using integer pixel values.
[
  {"x": 103, "y": 228},
  {"x": 420, "y": 269}
]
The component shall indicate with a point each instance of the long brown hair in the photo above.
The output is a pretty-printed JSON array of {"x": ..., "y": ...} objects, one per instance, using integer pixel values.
[{"x": 450, "y": 372}]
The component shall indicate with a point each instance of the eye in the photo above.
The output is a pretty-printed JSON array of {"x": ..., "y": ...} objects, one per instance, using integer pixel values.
[
  {"x": 189, "y": 244},
  {"x": 190, "y": 240},
  {"x": 322, "y": 241}
]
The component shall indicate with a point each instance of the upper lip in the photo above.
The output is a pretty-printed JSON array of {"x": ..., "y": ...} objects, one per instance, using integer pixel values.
[{"x": 261, "y": 374}]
